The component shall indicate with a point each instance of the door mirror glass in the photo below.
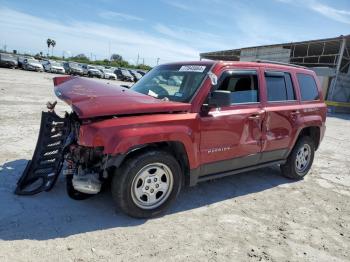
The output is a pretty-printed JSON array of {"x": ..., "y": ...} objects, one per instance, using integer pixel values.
[
  {"x": 213, "y": 78},
  {"x": 220, "y": 98}
]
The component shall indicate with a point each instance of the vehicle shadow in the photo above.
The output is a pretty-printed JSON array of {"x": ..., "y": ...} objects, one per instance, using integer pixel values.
[{"x": 53, "y": 214}]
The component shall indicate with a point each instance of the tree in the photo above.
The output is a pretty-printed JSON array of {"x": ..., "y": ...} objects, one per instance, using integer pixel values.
[
  {"x": 53, "y": 43},
  {"x": 116, "y": 57},
  {"x": 48, "y": 42},
  {"x": 80, "y": 58}
]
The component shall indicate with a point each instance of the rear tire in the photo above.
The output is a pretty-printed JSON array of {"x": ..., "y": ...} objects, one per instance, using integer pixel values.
[
  {"x": 300, "y": 159},
  {"x": 147, "y": 184}
]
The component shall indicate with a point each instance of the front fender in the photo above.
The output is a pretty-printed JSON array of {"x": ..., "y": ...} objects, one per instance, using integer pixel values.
[{"x": 117, "y": 138}]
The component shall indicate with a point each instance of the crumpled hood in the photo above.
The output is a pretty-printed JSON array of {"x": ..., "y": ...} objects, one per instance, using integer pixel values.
[{"x": 89, "y": 98}]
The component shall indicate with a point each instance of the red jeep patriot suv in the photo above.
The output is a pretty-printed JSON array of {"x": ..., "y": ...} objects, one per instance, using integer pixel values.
[{"x": 182, "y": 123}]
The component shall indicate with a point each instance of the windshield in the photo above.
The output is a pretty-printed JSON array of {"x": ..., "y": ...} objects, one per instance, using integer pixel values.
[
  {"x": 175, "y": 82},
  {"x": 32, "y": 61},
  {"x": 125, "y": 72},
  {"x": 107, "y": 71},
  {"x": 73, "y": 65},
  {"x": 55, "y": 64}
]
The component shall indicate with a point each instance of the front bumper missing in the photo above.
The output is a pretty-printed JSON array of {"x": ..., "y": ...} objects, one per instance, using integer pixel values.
[{"x": 42, "y": 171}]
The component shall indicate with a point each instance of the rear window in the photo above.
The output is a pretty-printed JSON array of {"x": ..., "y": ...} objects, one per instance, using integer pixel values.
[
  {"x": 279, "y": 86},
  {"x": 308, "y": 87}
]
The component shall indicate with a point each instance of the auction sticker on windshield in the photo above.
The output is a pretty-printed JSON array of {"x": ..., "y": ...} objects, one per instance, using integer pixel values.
[{"x": 192, "y": 68}]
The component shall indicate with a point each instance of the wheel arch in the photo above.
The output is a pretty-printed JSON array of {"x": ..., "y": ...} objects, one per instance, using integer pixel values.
[
  {"x": 175, "y": 148},
  {"x": 314, "y": 132}
]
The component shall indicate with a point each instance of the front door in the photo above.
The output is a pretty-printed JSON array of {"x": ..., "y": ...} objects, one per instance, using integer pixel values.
[{"x": 231, "y": 136}]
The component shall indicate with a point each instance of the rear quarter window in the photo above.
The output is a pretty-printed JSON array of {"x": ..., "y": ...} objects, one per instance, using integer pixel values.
[{"x": 308, "y": 87}]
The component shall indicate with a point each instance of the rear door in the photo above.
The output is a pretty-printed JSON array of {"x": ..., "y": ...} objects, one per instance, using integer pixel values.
[
  {"x": 282, "y": 114},
  {"x": 231, "y": 136}
]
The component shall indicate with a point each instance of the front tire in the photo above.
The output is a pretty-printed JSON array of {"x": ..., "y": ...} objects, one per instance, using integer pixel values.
[
  {"x": 147, "y": 184},
  {"x": 300, "y": 160}
]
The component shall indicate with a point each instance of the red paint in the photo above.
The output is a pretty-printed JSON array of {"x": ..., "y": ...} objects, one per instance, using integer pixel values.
[
  {"x": 92, "y": 99},
  {"x": 232, "y": 128}
]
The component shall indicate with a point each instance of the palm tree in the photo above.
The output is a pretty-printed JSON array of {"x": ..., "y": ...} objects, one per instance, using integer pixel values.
[
  {"x": 48, "y": 42},
  {"x": 53, "y": 43}
]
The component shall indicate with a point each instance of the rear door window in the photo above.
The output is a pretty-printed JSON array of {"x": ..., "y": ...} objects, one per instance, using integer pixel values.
[
  {"x": 279, "y": 86},
  {"x": 308, "y": 87}
]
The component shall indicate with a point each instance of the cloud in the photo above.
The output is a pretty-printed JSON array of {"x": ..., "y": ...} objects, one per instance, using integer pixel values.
[
  {"x": 119, "y": 16},
  {"x": 26, "y": 32},
  {"x": 201, "y": 39},
  {"x": 178, "y": 5},
  {"x": 339, "y": 15}
]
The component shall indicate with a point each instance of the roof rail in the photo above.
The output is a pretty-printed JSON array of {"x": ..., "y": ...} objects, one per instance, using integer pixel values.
[{"x": 279, "y": 63}]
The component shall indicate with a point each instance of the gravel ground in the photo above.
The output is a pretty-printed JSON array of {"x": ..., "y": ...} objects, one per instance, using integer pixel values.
[{"x": 255, "y": 216}]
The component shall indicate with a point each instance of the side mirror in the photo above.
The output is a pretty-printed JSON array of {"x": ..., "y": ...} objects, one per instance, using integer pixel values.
[{"x": 220, "y": 98}]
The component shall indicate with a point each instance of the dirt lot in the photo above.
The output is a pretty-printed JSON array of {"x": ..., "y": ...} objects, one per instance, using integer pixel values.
[{"x": 255, "y": 216}]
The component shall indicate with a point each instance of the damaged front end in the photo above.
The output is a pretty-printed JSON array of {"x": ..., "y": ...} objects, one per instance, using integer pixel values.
[
  {"x": 42, "y": 171},
  {"x": 57, "y": 149}
]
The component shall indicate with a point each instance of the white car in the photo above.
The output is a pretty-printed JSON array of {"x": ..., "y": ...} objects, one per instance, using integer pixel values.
[
  {"x": 108, "y": 74},
  {"x": 32, "y": 65},
  {"x": 54, "y": 67}
]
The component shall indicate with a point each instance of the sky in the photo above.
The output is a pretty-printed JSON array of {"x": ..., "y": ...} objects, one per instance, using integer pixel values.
[{"x": 165, "y": 30}]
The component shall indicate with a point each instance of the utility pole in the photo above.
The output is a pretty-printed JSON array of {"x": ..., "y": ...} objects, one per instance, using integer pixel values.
[
  {"x": 138, "y": 58},
  {"x": 109, "y": 50},
  {"x": 158, "y": 60}
]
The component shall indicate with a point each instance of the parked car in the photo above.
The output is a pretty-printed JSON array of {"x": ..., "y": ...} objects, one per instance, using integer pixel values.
[
  {"x": 7, "y": 60},
  {"x": 53, "y": 67},
  {"x": 72, "y": 68},
  {"x": 32, "y": 65},
  {"x": 152, "y": 139},
  {"x": 136, "y": 76},
  {"x": 85, "y": 68},
  {"x": 92, "y": 71},
  {"x": 123, "y": 75},
  {"x": 20, "y": 60},
  {"x": 141, "y": 72},
  {"x": 108, "y": 74}
]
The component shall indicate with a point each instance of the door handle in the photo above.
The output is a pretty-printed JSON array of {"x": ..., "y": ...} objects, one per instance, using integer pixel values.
[
  {"x": 295, "y": 112},
  {"x": 254, "y": 116}
]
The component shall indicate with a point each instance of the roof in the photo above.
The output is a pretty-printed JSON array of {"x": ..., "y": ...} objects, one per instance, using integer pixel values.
[
  {"x": 270, "y": 64},
  {"x": 259, "y": 63},
  {"x": 282, "y": 44}
]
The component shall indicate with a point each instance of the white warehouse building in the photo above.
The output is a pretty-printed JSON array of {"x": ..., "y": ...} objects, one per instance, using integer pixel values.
[{"x": 329, "y": 58}]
